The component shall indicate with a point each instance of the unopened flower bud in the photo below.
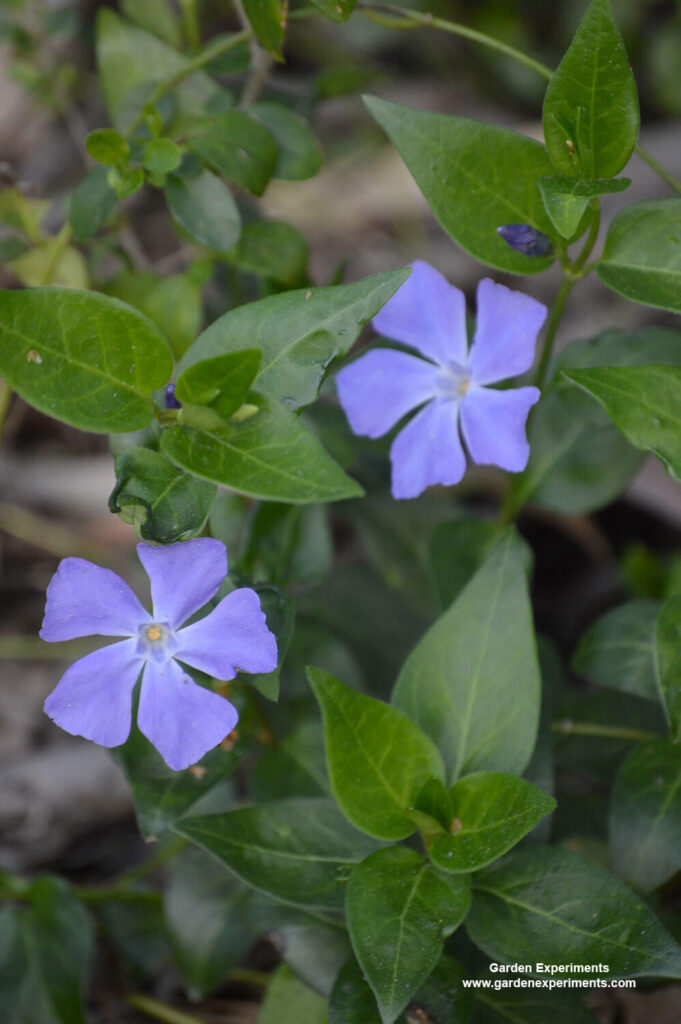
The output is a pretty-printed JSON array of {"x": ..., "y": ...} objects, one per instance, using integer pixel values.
[
  {"x": 526, "y": 239},
  {"x": 170, "y": 400}
]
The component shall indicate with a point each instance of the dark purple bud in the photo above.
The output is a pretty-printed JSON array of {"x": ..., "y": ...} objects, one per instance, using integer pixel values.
[
  {"x": 171, "y": 401},
  {"x": 526, "y": 239}
]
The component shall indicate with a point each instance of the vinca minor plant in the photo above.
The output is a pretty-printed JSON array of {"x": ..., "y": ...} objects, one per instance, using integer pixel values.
[{"x": 338, "y": 722}]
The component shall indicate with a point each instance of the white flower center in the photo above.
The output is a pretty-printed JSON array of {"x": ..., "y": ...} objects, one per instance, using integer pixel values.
[
  {"x": 156, "y": 642},
  {"x": 452, "y": 381}
]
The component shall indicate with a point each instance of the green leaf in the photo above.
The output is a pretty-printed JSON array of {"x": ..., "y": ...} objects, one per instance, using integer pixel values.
[
  {"x": 591, "y": 115},
  {"x": 566, "y": 199},
  {"x": 472, "y": 682},
  {"x": 617, "y": 650},
  {"x": 269, "y": 455},
  {"x": 295, "y": 768},
  {"x": 315, "y": 951},
  {"x": 644, "y": 403},
  {"x": 268, "y": 21},
  {"x": 138, "y": 934},
  {"x": 457, "y": 550},
  {"x": 107, "y": 146},
  {"x": 668, "y": 662},
  {"x": 164, "y": 503},
  {"x": 645, "y": 816},
  {"x": 279, "y": 611},
  {"x": 548, "y": 904},
  {"x": 642, "y": 254},
  {"x": 399, "y": 913},
  {"x": 434, "y": 800},
  {"x": 173, "y": 303},
  {"x": 300, "y": 155},
  {"x": 205, "y": 915},
  {"x": 238, "y": 146},
  {"x": 91, "y": 204},
  {"x": 57, "y": 935},
  {"x": 289, "y": 1001},
  {"x": 131, "y": 64},
  {"x": 300, "y": 850},
  {"x": 204, "y": 207},
  {"x": 378, "y": 759},
  {"x": 529, "y": 1007},
  {"x": 221, "y": 382},
  {"x": 289, "y": 544},
  {"x": 160, "y": 795},
  {"x": 161, "y": 156},
  {"x": 83, "y": 358},
  {"x": 300, "y": 333},
  {"x": 125, "y": 181},
  {"x": 157, "y": 17},
  {"x": 337, "y": 10},
  {"x": 273, "y": 249},
  {"x": 476, "y": 178},
  {"x": 494, "y": 812},
  {"x": 351, "y": 1000}
]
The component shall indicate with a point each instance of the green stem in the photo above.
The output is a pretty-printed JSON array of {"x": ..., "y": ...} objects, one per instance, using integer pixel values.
[
  {"x": 566, "y": 727},
  {"x": 555, "y": 317},
  {"x": 61, "y": 242},
  {"x": 578, "y": 269},
  {"x": 418, "y": 19},
  {"x": 160, "y": 1011},
  {"x": 659, "y": 169},
  {"x": 190, "y": 19}
]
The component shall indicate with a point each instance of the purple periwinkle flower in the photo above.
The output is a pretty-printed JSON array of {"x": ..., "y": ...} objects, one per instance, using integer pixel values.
[
  {"x": 169, "y": 398},
  {"x": 526, "y": 239},
  {"x": 451, "y": 383},
  {"x": 182, "y": 719}
]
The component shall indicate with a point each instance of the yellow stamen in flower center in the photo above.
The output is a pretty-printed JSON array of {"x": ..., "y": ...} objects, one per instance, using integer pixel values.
[{"x": 154, "y": 633}]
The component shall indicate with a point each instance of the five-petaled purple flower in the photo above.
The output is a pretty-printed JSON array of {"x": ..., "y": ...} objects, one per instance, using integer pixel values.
[
  {"x": 429, "y": 314},
  {"x": 182, "y": 719}
]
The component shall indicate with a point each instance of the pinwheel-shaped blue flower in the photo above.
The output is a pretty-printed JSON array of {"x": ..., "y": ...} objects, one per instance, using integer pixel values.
[
  {"x": 451, "y": 383},
  {"x": 182, "y": 719}
]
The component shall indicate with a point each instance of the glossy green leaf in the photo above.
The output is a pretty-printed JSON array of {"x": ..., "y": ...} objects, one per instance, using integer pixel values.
[
  {"x": 299, "y": 333},
  {"x": 268, "y": 455},
  {"x": 131, "y": 64},
  {"x": 164, "y": 503},
  {"x": 289, "y": 1001},
  {"x": 472, "y": 683},
  {"x": 337, "y": 10},
  {"x": 435, "y": 801},
  {"x": 378, "y": 759},
  {"x": 618, "y": 650},
  {"x": 591, "y": 115},
  {"x": 668, "y": 662},
  {"x": 475, "y": 176},
  {"x": 642, "y": 254},
  {"x": 268, "y": 21},
  {"x": 91, "y": 204},
  {"x": 205, "y": 912},
  {"x": 295, "y": 768},
  {"x": 57, "y": 935},
  {"x": 204, "y": 207},
  {"x": 173, "y": 303},
  {"x": 566, "y": 199},
  {"x": 457, "y": 550},
  {"x": 162, "y": 156},
  {"x": 221, "y": 382},
  {"x": 160, "y": 795},
  {"x": 300, "y": 155},
  {"x": 399, "y": 911},
  {"x": 107, "y": 146},
  {"x": 547, "y": 904},
  {"x": 315, "y": 952},
  {"x": 300, "y": 850},
  {"x": 645, "y": 816},
  {"x": 237, "y": 146},
  {"x": 494, "y": 812},
  {"x": 529, "y": 1007},
  {"x": 644, "y": 403},
  {"x": 81, "y": 357},
  {"x": 274, "y": 250},
  {"x": 351, "y": 1000}
]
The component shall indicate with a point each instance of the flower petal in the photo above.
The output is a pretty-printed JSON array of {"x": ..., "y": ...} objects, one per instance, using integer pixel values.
[
  {"x": 428, "y": 451},
  {"x": 183, "y": 576},
  {"x": 381, "y": 387},
  {"x": 182, "y": 720},
  {"x": 94, "y": 696},
  {"x": 493, "y": 425},
  {"x": 428, "y": 313},
  {"x": 83, "y": 599},
  {"x": 233, "y": 637},
  {"x": 508, "y": 323}
]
